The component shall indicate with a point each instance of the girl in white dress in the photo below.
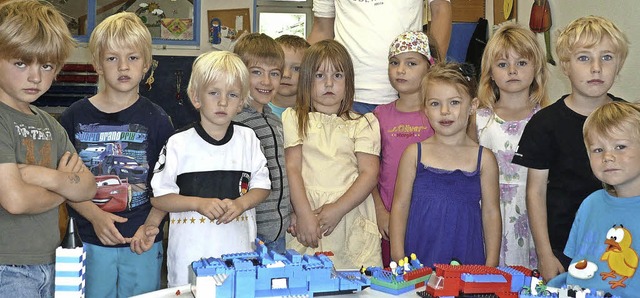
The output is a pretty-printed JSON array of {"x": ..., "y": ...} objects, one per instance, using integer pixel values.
[{"x": 512, "y": 88}]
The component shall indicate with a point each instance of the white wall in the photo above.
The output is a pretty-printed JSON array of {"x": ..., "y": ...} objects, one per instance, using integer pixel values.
[
  {"x": 82, "y": 55},
  {"x": 624, "y": 13}
]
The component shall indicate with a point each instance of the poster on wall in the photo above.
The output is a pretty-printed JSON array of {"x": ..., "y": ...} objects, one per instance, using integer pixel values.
[
  {"x": 226, "y": 25},
  {"x": 176, "y": 29}
]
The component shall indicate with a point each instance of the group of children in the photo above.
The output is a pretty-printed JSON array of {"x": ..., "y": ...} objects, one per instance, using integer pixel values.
[{"x": 458, "y": 167}]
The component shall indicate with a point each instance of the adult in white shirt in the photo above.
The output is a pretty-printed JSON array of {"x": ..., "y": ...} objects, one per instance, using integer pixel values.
[{"x": 367, "y": 28}]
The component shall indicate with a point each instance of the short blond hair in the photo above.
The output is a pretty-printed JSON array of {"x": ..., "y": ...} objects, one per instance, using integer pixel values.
[
  {"x": 121, "y": 30},
  {"x": 34, "y": 31},
  {"x": 608, "y": 120},
  {"x": 587, "y": 32},
  {"x": 222, "y": 66},
  {"x": 618, "y": 117},
  {"x": 516, "y": 38}
]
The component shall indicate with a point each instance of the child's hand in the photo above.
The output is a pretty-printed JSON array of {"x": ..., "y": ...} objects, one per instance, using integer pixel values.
[
  {"x": 212, "y": 208},
  {"x": 105, "y": 228},
  {"x": 308, "y": 230},
  {"x": 70, "y": 162},
  {"x": 292, "y": 225},
  {"x": 329, "y": 215},
  {"x": 549, "y": 267},
  {"x": 382, "y": 217},
  {"x": 143, "y": 239},
  {"x": 233, "y": 209}
]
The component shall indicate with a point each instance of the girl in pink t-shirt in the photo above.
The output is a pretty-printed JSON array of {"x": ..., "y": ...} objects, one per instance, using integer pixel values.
[{"x": 402, "y": 122}]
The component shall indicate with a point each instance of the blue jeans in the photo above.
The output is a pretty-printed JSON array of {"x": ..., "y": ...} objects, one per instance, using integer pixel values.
[
  {"x": 362, "y": 107},
  {"x": 119, "y": 272},
  {"x": 27, "y": 281}
]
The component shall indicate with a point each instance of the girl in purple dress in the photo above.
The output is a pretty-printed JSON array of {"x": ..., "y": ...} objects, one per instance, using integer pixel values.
[{"x": 446, "y": 200}]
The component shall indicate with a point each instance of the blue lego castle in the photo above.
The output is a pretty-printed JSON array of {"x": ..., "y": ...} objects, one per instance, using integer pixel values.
[{"x": 265, "y": 273}]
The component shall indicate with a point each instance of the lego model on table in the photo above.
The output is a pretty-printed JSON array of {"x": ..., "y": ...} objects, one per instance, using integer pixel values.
[
  {"x": 401, "y": 277},
  {"x": 501, "y": 282},
  {"x": 70, "y": 264},
  {"x": 265, "y": 273}
]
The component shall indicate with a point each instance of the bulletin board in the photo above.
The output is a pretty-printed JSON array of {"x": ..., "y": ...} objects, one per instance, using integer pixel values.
[
  {"x": 504, "y": 10},
  {"x": 233, "y": 22}
]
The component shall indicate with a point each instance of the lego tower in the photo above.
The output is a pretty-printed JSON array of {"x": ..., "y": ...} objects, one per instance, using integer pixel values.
[{"x": 70, "y": 267}]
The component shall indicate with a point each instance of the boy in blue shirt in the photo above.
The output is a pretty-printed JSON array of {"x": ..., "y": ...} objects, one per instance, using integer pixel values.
[
  {"x": 121, "y": 231},
  {"x": 601, "y": 245}
]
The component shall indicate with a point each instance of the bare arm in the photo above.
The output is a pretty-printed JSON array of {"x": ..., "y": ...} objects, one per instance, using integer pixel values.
[
  {"x": 146, "y": 234},
  {"x": 382, "y": 215},
  {"x": 329, "y": 215},
  {"x": 103, "y": 222},
  {"x": 212, "y": 208},
  {"x": 491, "y": 218},
  {"x": 548, "y": 264},
  {"x": 307, "y": 227},
  {"x": 402, "y": 201},
  {"x": 31, "y": 189},
  {"x": 321, "y": 29},
  {"x": 71, "y": 179},
  {"x": 20, "y": 197},
  {"x": 440, "y": 27}
]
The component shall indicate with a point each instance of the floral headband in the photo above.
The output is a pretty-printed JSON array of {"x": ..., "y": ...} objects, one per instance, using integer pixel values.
[{"x": 411, "y": 41}]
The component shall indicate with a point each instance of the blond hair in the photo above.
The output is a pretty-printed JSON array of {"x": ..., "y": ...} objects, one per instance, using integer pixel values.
[
  {"x": 460, "y": 75},
  {"x": 608, "y": 120},
  {"x": 34, "y": 31},
  {"x": 516, "y": 38},
  {"x": 321, "y": 53},
  {"x": 121, "y": 30},
  {"x": 218, "y": 66},
  {"x": 587, "y": 32}
]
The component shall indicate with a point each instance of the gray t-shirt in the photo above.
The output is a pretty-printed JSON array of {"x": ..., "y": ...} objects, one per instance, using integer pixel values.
[{"x": 36, "y": 139}]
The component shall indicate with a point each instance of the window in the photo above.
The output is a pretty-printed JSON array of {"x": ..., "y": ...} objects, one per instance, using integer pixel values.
[
  {"x": 278, "y": 17},
  {"x": 171, "y": 22}
]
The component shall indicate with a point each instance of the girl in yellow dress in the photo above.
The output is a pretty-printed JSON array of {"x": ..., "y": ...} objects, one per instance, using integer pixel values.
[{"x": 332, "y": 161}]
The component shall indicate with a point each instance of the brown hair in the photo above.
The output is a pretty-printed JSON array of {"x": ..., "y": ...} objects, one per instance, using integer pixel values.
[
  {"x": 34, "y": 31},
  {"x": 334, "y": 53},
  {"x": 259, "y": 47},
  {"x": 293, "y": 42}
]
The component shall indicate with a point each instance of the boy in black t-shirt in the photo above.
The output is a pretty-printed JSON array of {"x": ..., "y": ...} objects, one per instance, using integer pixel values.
[
  {"x": 592, "y": 50},
  {"x": 119, "y": 135}
]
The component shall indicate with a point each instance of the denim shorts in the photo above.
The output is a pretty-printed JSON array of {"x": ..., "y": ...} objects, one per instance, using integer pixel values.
[{"x": 27, "y": 281}]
